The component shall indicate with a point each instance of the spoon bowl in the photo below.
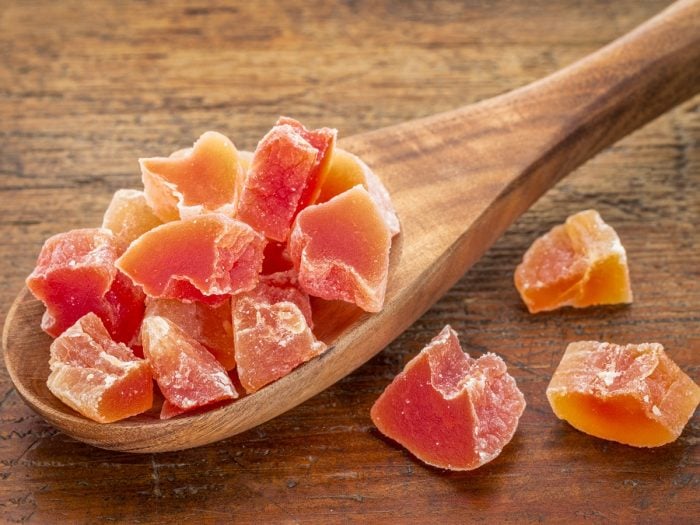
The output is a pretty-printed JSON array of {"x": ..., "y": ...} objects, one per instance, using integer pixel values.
[{"x": 457, "y": 180}]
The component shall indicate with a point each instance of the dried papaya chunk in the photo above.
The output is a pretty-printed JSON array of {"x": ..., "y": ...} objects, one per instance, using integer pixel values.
[
  {"x": 341, "y": 250},
  {"x": 580, "y": 263},
  {"x": 202, "y": 179},
  {"x": 97, "y": 377},
  {"x": 205, "y": 258},
  {"x": 448, "y": 409},
  {"x": 632, "y": 394}
]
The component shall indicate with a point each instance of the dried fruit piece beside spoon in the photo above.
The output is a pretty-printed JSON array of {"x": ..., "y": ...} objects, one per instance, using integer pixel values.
[
  {"x": 580, "y": 263},
  {"x": 448, "y": 409},
  {"x": 632, "y": 394}
]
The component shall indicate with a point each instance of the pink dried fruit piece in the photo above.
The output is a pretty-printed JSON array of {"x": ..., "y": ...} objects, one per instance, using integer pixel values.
[
  {"x": 272, "y": 333},
  {"x": 75, "y": 274},
  {"x": 284, "y": 286},
  {"x": 206, "y": 258},
  {"x": 187, "y": 374},
  {"x": 123, "y": 310},
  {"x": 449, "y": 410},
  {"x": 128, "y": 216},
  {"x": 209, "y": 325},
  {"x": 285, "y": 175},
  {"x": 323, "y": 140},
  {"x": 632, "y": 394},
  {"x": 346, "y": 171},
  {"x": 341, "y": 250},
  {"x": 97, "y": 377},
  {"x": 204, "y": 178}
]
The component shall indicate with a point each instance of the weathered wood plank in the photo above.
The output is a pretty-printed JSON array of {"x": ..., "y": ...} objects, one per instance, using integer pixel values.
[{"x": 86, "y": 89}]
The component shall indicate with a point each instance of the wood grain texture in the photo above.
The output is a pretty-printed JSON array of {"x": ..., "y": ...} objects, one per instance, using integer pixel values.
[
  {"x": 98, "y": 86},
  {"x": 458, "y": 180}
]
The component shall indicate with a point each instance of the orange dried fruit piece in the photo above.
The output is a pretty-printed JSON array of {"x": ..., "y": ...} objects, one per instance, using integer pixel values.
[
  {"x": 272, "y": 329},
  {"x": 208, "y": 325},
  {"x": 340, "y": 249},
  {"x": 449, "y": 410},
  {"x": 580, "y": 263},
  {"x": 92, "y": 374},
  {"x": 128, "y": 216},
  {"x": 187, "y": 374},
  {"x": 75, "y": 274},
  {"x": 285, "y": 175},
  {"x": 346, "y": 171},
  {"x": 632, "y": 394},
  {"x": 201, "y": 179},
  {"x": 205, "y": 258}
]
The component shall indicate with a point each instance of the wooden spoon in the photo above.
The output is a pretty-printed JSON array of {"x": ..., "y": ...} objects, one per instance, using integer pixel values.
[{"x": 458, "y": 180}]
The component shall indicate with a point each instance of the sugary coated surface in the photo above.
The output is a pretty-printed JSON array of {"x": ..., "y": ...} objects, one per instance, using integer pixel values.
[
  {"x": 204, "y": 259},
  {"x": 449, "y": 410},
  {"x": 187, "y": 374},
  {"x": 341, "y": 250},
  {"x": 272, "y": 332},
  {"x": 128, "y": 216},
  {"x": 209, "y": 325},
  {"x": 204, "y": 178},
  {"x": 347, "y": 170},
  {"x": 323, "y": 140},
  {"x": 632, "y": 394},
  {"x": 287, "y": 168},
  {"x": 75, "y": 274},
  {"x": 97, "y": 377},
  {"x": 284, "y": 286},
  {"x": 580, "y": 263}
]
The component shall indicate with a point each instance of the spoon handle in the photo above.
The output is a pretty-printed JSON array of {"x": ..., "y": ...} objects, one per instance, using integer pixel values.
[
  {"x": 510, "y": 149},
  {"x": 594, "y": 102},
  {"x": 526, "y": 140}
]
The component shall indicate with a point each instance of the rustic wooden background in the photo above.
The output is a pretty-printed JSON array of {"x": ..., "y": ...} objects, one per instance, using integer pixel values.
[{"x": 87, "y": 87}]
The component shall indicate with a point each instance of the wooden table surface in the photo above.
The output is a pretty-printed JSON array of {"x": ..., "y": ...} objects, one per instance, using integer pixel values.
[{"x": 88, "y": 87}]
